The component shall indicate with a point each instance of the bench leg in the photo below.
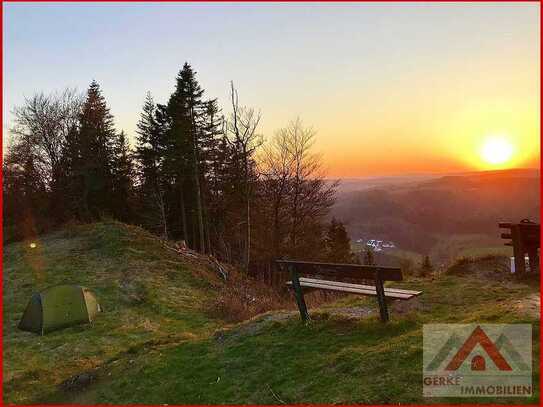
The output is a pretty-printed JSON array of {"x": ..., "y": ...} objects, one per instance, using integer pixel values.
[
  {"x": 533, "y": 260},
  {"x": 381, "y": 300},
  {"x": 518, "y": 251},
  {"x": 299, "y": 294}
]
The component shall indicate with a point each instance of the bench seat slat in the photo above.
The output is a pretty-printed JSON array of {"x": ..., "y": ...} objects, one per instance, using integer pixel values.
[
  {"x": 352, "y": 285},
  {"x": 355, "y": 290},
  {"x": 363, "y": 291}
]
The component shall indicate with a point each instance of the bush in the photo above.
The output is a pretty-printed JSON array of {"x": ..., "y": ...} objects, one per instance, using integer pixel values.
[
  {"x": 369, "y": 258},
  {"x": 460, "y": 266},
  {"x": 407, "y": 266},
  {"x": 484, "y": 265},
  {"x": 426, "y": 268},
  {"x": 243, "y": 297}
]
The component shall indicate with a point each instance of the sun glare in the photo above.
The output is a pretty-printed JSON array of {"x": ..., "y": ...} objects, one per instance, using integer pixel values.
[{"x": 496, "y": 150}]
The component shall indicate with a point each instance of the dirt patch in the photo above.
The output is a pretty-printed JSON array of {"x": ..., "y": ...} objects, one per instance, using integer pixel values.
[
  {"x": 252, "y": 326},
  {"x": 406, "y": 307},
  {"x": 352, "y": 312},
  {"x": 255, "y": 325},
  {"x": 78, "y": 382}
]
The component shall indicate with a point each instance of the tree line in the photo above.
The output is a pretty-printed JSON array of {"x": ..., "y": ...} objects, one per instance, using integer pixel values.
[{"x": 194, "y": 174}]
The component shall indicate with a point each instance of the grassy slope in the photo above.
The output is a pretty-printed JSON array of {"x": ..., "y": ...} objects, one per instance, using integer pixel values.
[
  {"x": 333, "y": 360},
  {"x": 149, "y": 296}
]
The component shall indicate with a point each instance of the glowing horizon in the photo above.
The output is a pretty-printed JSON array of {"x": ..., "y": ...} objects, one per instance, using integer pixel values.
[{"x": 390, "y": 89}]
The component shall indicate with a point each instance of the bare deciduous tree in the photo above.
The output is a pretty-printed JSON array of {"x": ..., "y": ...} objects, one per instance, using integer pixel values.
[
  {"x": 276, "y": 170},
  {"x": 241, "y": 134},
  {"x": 294, "y": 184},
  {"x": 46, "y": 121}
]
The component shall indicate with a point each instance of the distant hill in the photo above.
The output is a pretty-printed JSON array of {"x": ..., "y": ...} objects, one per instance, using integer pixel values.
[
  {"x": 348, "y": 185},
  {"x": 417, "y": 215}
]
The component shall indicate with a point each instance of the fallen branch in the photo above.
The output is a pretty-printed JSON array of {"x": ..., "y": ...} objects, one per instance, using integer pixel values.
[
  {"x": 189, "y": 254},
  {"x": 275, "y": 395}
]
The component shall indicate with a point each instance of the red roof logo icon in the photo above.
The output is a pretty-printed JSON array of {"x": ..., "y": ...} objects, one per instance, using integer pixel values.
[{"x": 478, "y": 337}]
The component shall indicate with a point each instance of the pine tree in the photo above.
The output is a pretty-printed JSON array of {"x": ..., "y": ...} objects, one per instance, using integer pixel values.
[
  {"x": 213, "y": 162},
  {"x": 337, "y": 243},
  {"x": 426, "y": 268},
  {"x": 150, "y": 150},
  {"x": 147, "y": 146},
  {"x": 186, "y": 111},
  {"x": 123, "y": 172},
  {"x": 92, "y": 156}
]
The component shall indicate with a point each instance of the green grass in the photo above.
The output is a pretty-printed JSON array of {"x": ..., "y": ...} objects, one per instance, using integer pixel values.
[
  {"x": 119, "y": 263},
  {"x": 401, "y": 254},
  {"x": 332, "y": 360},
  {"x": 264, "y": 361},
  {"x": 451, "y": 247},
  {"x": 506, "y": 251}
]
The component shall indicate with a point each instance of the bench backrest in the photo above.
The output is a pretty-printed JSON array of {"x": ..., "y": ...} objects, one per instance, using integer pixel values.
[{"x": 337, "y": 271}]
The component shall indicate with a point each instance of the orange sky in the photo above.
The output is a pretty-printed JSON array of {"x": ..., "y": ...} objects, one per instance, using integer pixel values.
[
  {"x": 437, "y": 118},
  {"x": 390, "y": 89}
]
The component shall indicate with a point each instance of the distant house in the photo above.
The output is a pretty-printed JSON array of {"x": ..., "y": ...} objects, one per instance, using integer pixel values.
[{"x": 378, "y": 245}]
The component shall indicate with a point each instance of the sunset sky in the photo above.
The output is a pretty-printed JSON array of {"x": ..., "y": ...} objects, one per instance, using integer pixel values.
[{"x": 390, "y": 88}]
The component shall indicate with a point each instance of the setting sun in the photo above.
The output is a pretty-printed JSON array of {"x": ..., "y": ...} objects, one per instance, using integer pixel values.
[{"x": 496, "y": 150}]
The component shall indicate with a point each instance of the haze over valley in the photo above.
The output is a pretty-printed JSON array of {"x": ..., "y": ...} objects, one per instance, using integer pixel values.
[{"x": 421, "y": 212}]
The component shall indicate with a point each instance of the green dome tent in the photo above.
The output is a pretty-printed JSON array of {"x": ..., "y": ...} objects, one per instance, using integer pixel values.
[{"x": 59, "y": 307}]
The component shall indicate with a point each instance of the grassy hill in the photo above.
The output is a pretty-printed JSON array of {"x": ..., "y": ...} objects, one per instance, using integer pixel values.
[
  {"x": 148, "y": 295},
  {"x": 156, "y": 343}
]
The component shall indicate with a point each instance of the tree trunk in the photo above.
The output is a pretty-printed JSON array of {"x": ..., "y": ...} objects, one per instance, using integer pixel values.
[
  {"x": 206, "y": 230},
  {"x": 161, "y": 205},
  {"x": 276, "y": 231},
  {"x": 248, "y": 210},
  {"x": 183, "y": 213},
  {"x": 196, "y": 175},
  {"x": 248, "y": 234},
  {"x": 200, "y": 218}
]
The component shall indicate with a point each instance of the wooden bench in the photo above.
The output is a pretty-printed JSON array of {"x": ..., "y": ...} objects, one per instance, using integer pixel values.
[{"x": 326, "y": 276}]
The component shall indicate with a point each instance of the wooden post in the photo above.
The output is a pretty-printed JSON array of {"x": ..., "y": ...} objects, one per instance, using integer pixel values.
[
  {"x": 381, "y": 300},
  {"x": 529, "y": 233},
  {"x": 533, "y": 259},
  {"x": 298, "y": 293},
  {"x": 518, "y": 250}
]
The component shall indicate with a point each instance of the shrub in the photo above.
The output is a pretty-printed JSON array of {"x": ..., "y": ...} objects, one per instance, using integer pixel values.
[
  {"x": 407, "y": 266},
  {"x": 426, "y": 268},
  {"x": 243, "y": 297},
  {"x": 460, "y": 266},
  {"x": 484, "y": 265},
  {"x": 369, "y": 258}
]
